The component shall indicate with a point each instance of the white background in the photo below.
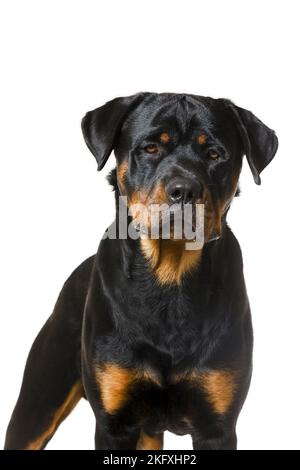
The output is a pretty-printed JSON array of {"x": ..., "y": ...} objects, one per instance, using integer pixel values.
[{"x": 62, "y": 58}]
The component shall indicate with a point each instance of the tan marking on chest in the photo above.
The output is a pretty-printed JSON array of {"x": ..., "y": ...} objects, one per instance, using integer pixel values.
[
  {"x": 219, "y": 386},
  {"x": 147, "y": 442},
  {"x": 116, "y": 382},
  {"x": 169, "y": 260}
]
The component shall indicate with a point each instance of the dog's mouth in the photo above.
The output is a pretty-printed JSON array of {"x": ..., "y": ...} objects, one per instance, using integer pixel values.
[{"x": 188, "y": 222}]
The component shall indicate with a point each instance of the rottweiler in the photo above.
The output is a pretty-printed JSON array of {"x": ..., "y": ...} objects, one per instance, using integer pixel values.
[{"x": 154, "y": 335}]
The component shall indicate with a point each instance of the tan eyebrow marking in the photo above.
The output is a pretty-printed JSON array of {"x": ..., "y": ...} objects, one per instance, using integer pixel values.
[
  {"x": 165, "y": 137},
  {"x": 202, "y": 138}
]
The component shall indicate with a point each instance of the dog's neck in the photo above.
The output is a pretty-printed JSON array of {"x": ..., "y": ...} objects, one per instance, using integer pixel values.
[{"x": 169, "y": 260}]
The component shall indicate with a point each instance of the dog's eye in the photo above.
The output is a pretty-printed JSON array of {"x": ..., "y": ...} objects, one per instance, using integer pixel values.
[
  {"x": 151, "y": 148},
  {"x": 213, "y": 155}
]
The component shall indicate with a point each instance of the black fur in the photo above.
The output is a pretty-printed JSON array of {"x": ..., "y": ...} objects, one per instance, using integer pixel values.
[{"x": 113, "y": 310}]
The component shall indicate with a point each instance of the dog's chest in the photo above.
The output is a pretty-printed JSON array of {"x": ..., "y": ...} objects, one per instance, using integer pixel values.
[
  {"x": 173, "y": 332},
  {"x": 170, "y": 401},
  {"x": 154, "y": 368}
]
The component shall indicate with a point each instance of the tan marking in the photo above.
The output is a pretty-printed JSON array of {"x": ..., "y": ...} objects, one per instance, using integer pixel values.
[
  {"x": 147, "y": 442},
  {"x": 169, "y": 259},
  {"x": 60, "y": 414},
  {"x": 202, "y": 138},
  {"x": 215, "y": 209},
  {"x": 139, "y": 196},
  {"x": 213, "y": 220},
  {"x": 140, "y": 204},
  {"x": 121, "y": 174},
  {"x": 213, "y": 217},
  {"x": 138, "y": 207},
  {"x": 165, "y": 137},
  {"x": 142, "y": 196},
  {"x": 219, "y": 386},
  {"x": 159, "y": 195},
  {"x": 115, "y": 383}
]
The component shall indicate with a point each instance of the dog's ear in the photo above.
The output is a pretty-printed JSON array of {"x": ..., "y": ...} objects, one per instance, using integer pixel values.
[
  {"x": 101, "y": 126},
  {"x": 260, "y": 143}
]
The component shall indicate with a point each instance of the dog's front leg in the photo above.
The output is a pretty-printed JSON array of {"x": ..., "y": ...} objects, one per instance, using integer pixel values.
[
  {"x": 122, "y": 439},
  {"x": 113, "y": 434},
  {"x": 224, "y": 441}
]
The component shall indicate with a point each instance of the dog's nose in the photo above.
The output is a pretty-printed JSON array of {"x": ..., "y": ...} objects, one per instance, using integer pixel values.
[{"x": 183, "y": 190}]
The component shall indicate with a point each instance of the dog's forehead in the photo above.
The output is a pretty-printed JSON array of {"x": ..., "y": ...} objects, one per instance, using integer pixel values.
[{"x": 172, "y": 111}]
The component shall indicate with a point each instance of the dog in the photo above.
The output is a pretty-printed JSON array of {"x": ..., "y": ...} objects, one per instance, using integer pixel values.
[{"x": 155, "y": 336}]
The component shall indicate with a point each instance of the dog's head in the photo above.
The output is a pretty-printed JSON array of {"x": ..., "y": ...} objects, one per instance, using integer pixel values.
[{"x": 179, "y": 149}]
